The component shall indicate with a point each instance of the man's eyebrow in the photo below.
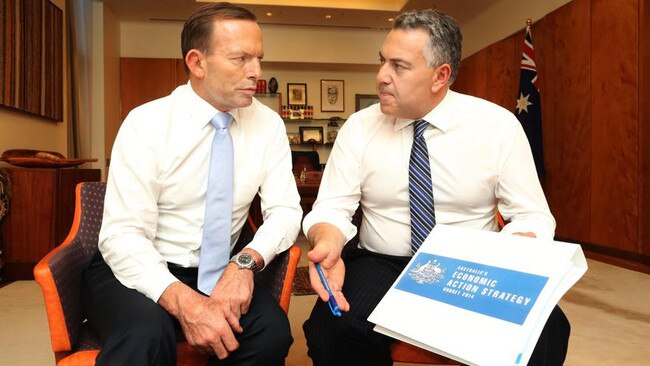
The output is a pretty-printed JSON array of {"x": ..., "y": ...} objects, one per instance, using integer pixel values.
[{"x": 394, "y": 60}]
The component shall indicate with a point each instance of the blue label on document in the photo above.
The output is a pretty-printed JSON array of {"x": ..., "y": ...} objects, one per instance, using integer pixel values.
[{"x": 496, "y": 292}]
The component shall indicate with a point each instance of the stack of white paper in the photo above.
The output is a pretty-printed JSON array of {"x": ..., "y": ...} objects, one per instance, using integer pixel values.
[{"x": 479, "y": 297}]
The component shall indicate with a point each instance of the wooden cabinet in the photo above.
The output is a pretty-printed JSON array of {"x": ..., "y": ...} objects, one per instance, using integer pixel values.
[{"x": 41, "y": 211}]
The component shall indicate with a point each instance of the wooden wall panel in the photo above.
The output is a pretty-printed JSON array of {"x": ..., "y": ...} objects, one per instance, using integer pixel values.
[
  {"x": 143, "y": 80},
  {"x": 567, "y": 151},
  {"x": 502, "y": 77},
  {"x": 614, "y": 119},
  {"x": 181, "y": 75},
  {"x": 644, "y": 132},
  {"x": 472, "y": 75}
]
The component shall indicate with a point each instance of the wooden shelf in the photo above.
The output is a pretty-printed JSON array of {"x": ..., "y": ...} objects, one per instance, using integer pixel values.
[
  {"x": 317, "y": 144},
  {"x": 342, "y": 120}
]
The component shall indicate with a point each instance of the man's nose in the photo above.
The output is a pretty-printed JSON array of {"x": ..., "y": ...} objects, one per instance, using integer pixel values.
[
  {"x": 383, "y": 77},
  {"x": 255, "y": 69}
]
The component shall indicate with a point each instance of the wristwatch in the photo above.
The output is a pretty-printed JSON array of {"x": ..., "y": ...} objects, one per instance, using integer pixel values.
[{"x": 245, "y": 261}]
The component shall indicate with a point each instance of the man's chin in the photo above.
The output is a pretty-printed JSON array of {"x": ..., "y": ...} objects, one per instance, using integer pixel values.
[
  {"x": 387, "y": 109},
  {"x": 244, "y": 101}
]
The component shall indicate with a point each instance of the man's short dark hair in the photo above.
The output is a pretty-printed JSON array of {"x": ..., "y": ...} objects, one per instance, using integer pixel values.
[
  {"x": 197, "y": 31},
  {"x": 445, "y": 38}
]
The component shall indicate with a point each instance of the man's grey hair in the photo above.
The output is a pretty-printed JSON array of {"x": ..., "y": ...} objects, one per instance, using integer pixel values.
[{"x": 445, "y": 39}]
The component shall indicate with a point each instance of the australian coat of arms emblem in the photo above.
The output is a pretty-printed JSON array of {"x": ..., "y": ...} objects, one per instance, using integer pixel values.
[{"x": 427, "y": 273}]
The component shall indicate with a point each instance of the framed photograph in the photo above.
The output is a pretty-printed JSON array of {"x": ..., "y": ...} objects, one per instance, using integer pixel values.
[
  {"x": 296, "y": 94},
  {"x": 332, "y": 95},
  {"x": 294, "y": 138},
  {"x": 311, "y": 135},
  {"x": 362, "y": 101}
]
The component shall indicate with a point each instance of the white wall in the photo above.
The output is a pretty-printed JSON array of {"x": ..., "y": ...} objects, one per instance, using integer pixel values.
[
  {"x": 111, "y": 90},
  {"x": 281, "y": 43},
  {"x": 503, "y": 19}
]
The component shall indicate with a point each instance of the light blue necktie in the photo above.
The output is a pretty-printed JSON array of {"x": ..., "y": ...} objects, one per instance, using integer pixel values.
[
  {"x": 423, "y": 216},
  {"x": 215, "y": 245}
]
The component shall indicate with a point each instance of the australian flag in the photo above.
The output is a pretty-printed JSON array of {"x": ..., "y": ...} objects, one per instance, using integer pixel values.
[{"x": 529, "y": 109}]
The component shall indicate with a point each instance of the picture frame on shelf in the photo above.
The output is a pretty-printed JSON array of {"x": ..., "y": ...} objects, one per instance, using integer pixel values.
[
  {"x": 294, "y": 138},
  {"x": 296, "y": 93},
  {"x": 332, "y": 96},
  {"x": 362, "y": 101},
  {"x": 311, "y": 134}
]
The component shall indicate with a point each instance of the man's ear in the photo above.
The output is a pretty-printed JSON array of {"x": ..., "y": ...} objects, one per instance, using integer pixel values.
[
  {"x": 194, "y": 62},
  {"x": 440, "y": 77}
]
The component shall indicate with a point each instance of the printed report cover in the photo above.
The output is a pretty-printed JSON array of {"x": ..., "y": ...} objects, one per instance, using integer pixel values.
[{"x": 479, "y": 297}]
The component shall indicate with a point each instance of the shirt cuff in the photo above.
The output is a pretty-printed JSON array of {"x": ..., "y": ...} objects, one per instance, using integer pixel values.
[
  {"x": 340, "y": 222},
  {"x": 268, "y": 252},
  {"x": 153, "y": 283}
]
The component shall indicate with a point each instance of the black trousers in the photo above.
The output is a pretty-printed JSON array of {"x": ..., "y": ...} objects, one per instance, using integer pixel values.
[
  {"x": 351, "y": 340},
  {"x": 134, "y": 330}
]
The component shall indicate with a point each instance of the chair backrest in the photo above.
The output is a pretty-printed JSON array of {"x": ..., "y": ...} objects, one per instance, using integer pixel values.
[
  {"x": 313, "y": 176},
  {"x": 305, "y": 159},
  {"x": 59, "y": 273}
]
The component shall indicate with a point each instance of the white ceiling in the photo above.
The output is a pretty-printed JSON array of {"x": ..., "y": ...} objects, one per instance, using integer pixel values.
[{"x": 372, "y": 14}]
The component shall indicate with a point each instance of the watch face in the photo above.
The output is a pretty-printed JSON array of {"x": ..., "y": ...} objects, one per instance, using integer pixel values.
[{"x": 245, "y": 259}]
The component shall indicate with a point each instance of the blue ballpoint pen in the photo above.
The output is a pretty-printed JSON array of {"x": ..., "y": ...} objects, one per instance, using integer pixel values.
[{"x": 334, "y": 307}]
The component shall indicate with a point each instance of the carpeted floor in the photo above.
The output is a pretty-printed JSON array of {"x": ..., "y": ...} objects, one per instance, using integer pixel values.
[
  {"x": 301, "y": 285},
  {"x": 608, "y": 309}
]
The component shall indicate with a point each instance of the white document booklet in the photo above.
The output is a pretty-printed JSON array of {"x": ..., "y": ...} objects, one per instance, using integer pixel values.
[{"x": 479, "y": 297}]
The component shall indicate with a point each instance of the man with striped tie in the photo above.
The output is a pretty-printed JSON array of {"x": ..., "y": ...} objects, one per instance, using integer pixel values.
[{"x": 424, "y": 155}]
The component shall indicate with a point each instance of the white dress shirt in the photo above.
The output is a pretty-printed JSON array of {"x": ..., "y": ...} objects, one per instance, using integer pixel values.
[
  {"x": 155, "y": 197},
  {"x": 480, "y": 161}
]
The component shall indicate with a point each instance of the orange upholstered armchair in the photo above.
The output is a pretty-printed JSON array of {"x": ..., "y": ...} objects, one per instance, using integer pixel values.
[{"x": 59, "y": 275}]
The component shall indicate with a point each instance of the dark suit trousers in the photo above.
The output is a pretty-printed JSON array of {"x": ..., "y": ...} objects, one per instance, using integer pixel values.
[
  {"x": 350, "y": 339},
  {"x": 134, "y": 330}
]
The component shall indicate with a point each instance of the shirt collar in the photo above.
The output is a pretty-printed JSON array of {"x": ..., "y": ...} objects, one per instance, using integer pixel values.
[
  {"x": 201, "y": 111},
  {"x": 439, "y": 116}
]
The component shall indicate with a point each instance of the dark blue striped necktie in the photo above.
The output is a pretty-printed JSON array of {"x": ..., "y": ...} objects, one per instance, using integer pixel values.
[{"x": 423, "y": 216}]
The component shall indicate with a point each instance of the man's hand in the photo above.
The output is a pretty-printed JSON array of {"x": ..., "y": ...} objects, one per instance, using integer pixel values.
[
  {"x": 207, "y": 326},
  {"x": 327, "y": 242},
  {"x": 529, "y": 234},
  {"x": 234, "y": 290}
]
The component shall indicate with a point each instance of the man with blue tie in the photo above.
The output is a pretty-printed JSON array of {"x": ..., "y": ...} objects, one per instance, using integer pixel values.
[
  {"x": 184, "y": 171},
  {"x": 424, "y": 155}
]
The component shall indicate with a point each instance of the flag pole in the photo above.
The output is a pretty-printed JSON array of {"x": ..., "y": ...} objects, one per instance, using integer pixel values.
[{"x": 528, "y": 110}]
